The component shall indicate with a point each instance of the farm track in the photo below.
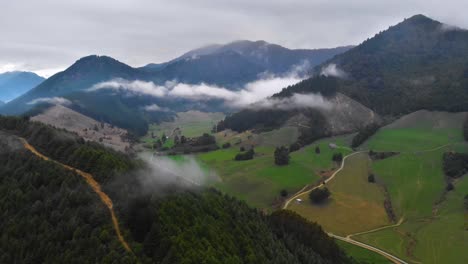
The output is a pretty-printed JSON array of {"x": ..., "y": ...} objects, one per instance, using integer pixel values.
[{"x": 106, "y": 200}]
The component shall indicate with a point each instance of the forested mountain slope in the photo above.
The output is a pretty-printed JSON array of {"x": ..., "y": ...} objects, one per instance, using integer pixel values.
[{"x": 65, "y": 221}]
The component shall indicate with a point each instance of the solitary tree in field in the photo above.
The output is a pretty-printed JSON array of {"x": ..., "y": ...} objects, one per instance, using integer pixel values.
[
  {"x": 284, "y": 193},
  {"x": 281, "y": 156},
  {"x": 319, "y": 195},
  {"x": 163, "y": 137},
  {"x": 317, "y": 150},
  {"x": 371, "y": 178}
]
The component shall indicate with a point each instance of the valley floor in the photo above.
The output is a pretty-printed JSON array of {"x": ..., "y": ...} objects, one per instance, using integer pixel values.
[{"x": 406, "y": 212}]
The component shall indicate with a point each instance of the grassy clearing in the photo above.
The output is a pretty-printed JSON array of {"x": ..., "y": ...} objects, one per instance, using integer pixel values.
[
  {"x": 259, "y": 181},
  {"x": 355, "y": 204},
  {"x": 362, "y": 255},
  {"x": 191, "y": 123}
]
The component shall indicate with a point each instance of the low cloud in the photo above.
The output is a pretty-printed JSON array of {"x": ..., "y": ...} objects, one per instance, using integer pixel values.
[
  {"x": 447, "y": 27},
  {"x": 165, "y": 171},
  {"x": 155, "y": 108},
  {"x": 332, "y": 70},
  {"x": 131, "y": 87},
  {"x": 50, "y": 100},
  {"x": 297, "y": 101},
  {"x": 251, "y": 93}
]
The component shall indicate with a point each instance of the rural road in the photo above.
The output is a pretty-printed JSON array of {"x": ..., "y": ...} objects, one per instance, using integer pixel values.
[
  {"x": 371, "y": 248},
  {"x": 106, "y": 200},
  {"x": 348, "y": 239},
  {"x": 326, "y": 181}
]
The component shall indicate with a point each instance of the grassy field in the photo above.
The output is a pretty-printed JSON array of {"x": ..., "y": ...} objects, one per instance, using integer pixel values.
[
  {"x": 191, "y": 124},
  {"x": 355, "y": 205},
  {"x": 362, "y": 255},
  {"x": 259, "y": 181},
  {"x": 433, "y": 231}
]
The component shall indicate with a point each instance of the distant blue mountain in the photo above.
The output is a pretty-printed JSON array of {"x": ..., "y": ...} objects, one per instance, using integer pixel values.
[
  {"x": 236, "y": 63},
  {"x": 14, "y": 84}
]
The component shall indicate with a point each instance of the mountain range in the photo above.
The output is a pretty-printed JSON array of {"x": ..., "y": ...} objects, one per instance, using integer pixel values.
[
  {"x": 16, "y": 83},
  {"x": 229, "y": 66}
]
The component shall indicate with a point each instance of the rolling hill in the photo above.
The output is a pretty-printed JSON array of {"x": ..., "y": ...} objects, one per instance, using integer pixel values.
[{"x": 14, "y": 84}]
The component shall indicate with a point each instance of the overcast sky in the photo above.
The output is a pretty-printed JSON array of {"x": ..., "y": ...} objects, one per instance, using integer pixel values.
[{"x": 48, "y": 35}]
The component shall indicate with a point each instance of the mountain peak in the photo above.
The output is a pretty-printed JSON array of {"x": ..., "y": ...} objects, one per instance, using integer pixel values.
[{"x": 420, "y": 20}]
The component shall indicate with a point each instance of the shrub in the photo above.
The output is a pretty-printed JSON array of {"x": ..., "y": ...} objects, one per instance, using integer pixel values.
[
  {"x": 337, "y": 157},
  {"x": 317, "y": 150},
  {"x": 226, "y": 145},
  {"x": 245, "y": 155},
  {"x": 319, "y": 195}
]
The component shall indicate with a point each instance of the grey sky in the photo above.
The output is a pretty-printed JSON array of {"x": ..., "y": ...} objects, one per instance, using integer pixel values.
[{"x": 48, "y": 35}]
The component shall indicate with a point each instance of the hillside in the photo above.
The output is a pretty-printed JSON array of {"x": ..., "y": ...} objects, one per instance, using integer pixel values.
[
  {"x": 417, "y": 64},
  {"x": 14, "y": 84},
  {"x": 344, "y": 115},
  {"x": 65, "y": 118},
  {"x": 175, "y": 228}
]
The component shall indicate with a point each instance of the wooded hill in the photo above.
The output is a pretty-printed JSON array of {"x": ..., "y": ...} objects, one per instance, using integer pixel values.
[{"x": 50, "y": 215}]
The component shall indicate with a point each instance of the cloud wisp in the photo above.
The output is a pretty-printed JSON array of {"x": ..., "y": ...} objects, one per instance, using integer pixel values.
[
  {"x": 155, "y": 108},
  {"x": 166, "y": 171},
  {"x": 332, "y": 70},
  {"x": 50, "y": 100}
]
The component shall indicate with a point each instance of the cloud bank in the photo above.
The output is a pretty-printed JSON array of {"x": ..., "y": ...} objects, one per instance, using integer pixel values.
[
  {"x": 251, "y": 93},
  {"x": 297, "y": 101},
  {"x": 50, "y": 100}
]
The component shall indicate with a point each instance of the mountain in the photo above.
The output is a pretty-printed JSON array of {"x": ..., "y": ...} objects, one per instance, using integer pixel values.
[
  {"x": 417, "y": 64},
  {"x": 1, "y": 103},
  {"x": 14, "y": 84},
  {"x": 239, "y": 62},
  {"x": 80, "y": 76}
]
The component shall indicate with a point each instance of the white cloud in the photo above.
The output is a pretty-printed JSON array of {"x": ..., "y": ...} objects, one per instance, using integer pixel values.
[
  {"x": 132, "y": 87},
  {"x": 50, "y": 100},
  {"x": 297, "y": 101},
  {"x": 251, "y": 93},
  {"x": 200, "y": 92},
  {"x": 333, "y": 71},
  {"x": 155, "y": 108},
  {"x": 447, "y": 27}
]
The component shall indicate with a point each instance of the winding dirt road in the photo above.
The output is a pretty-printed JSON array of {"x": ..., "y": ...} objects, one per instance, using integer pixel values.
[
  {"x": 93, "y": 184},
  {"x": 327, "y": 180},
  {"x": 348, "y": 239}
]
